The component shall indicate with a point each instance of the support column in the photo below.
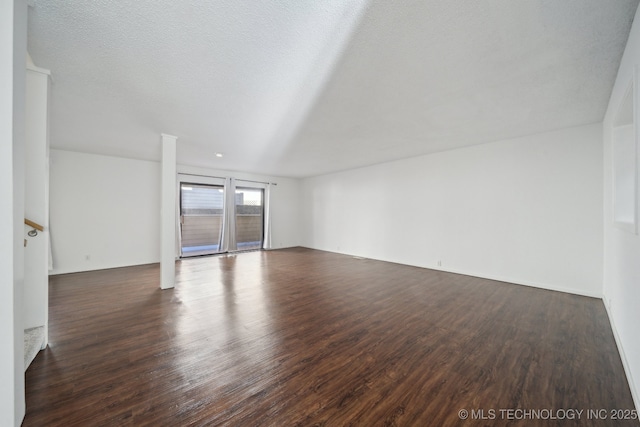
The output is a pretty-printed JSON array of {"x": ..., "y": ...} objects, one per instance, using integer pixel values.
[
  {"x": 13, "y": 48},
  {"x": 36, "y": 207},
  {"x": 168, "y": 213}
]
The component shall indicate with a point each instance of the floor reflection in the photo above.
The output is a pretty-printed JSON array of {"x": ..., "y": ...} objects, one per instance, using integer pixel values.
[{"x": 229, "y": 311}]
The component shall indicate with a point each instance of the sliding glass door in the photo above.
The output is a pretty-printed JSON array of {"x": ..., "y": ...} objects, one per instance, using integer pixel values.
[
  {"x": 217, "y": 218},
  {"x": 201, "y": 214}
]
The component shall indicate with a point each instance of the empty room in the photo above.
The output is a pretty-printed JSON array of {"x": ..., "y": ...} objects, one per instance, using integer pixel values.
[{"x": 319, "y": 213}]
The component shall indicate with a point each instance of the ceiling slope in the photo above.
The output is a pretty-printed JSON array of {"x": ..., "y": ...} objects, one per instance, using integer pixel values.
[{"x": 301, "y": 88}]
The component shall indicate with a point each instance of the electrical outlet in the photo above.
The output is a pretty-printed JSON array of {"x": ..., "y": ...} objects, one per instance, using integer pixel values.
[{"x": 439, "y": 263}]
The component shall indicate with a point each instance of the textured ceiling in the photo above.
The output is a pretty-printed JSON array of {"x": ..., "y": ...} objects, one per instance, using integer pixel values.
[{"x": 300, "y": 88}]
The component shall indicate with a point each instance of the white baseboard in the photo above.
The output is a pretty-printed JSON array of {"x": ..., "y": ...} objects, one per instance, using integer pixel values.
[
  {"x": 623, "y": 357},
  {"x": 509, "y": 280},
  {"x": 524, "y": 283}
]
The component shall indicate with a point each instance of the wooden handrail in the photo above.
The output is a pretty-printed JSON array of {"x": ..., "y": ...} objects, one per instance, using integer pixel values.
[{"x": 33, "y": 224}]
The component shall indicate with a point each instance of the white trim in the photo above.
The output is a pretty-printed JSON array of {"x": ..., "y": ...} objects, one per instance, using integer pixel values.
[
  {"x": 507, "y": 280},
  {"x": 38, "y": 69},
  {"x": 632, "y": 90},
  {"x": 199, "y": 179},
  {"x": 623, "y": 357},
  {"x": 178, "y": 219},
  {"x": 251, "y": 184},
  {"x": 102, "y": 268},
  {"x": 512, "y": 281}
]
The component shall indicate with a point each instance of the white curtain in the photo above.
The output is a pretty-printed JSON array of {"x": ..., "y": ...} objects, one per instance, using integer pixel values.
[
  {"x": 229, "y": 243},
  {"x": 266, "y": 244}
]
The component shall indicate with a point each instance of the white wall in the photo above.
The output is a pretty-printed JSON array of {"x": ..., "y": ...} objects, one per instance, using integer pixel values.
[
  {"x": 109, "y": 209},
  {"x": 525, "y": 210},
  {"x": 621, "y": 248},
  {"x": 104, "y": 211},
  {"x": 13, "y": 37}
]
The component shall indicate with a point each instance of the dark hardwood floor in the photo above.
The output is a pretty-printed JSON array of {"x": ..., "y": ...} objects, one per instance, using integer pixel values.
[{"x": 299, "y": 337}]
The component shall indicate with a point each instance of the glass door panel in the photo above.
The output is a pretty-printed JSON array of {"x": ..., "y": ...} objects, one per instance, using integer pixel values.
[
  {"x": 201, "y": 215},
  {"x": 249, "y": 218}
]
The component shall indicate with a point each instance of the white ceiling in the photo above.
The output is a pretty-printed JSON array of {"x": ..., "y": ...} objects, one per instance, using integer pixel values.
[{"x": 302, "y": 87}]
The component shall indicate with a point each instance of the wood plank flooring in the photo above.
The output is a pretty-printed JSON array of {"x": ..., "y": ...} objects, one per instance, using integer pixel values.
[{"x": 299, "y": 337}]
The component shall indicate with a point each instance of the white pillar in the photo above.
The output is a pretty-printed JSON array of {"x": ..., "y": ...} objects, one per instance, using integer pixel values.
[
  {"x": 13, "y": 48},
  {"x": 36, "y": 205},
  {"x": 168, "y": 213}
]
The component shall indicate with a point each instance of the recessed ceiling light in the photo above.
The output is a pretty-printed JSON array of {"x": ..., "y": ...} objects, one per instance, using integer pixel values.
[{"x": 219, "y": 154}]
